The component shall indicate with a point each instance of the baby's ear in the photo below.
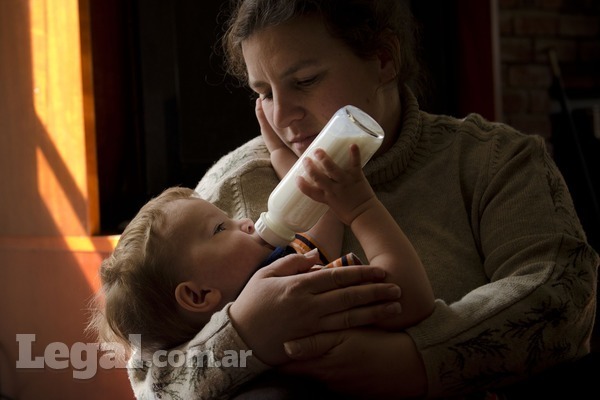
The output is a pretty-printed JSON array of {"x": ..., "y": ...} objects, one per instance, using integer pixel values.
[{"x": 194, "y": 298}]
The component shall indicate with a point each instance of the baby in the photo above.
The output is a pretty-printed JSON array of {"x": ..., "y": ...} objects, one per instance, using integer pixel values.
[{"x": 181, "y": 259}]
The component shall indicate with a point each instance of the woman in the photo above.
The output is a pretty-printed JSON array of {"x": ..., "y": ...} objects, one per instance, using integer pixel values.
[{"x": 484, "y": 206}]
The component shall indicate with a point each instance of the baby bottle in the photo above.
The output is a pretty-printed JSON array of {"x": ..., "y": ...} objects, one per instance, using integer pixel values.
[{"x": 290, "y": 210}]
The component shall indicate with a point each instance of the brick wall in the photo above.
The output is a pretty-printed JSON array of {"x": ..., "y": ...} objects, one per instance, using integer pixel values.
[{"x": 528, "y": 29}]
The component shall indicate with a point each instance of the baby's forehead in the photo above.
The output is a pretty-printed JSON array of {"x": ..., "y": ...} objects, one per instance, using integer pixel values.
[
  {"x": 184, "y": 203},
  {"x": 183, "y": 212}
]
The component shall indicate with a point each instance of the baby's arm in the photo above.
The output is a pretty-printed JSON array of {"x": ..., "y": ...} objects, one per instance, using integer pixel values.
[{"x": 351, "y": 198}]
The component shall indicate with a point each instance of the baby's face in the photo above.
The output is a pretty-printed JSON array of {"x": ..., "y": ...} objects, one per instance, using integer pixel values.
[{"x": 216, "y": 250}]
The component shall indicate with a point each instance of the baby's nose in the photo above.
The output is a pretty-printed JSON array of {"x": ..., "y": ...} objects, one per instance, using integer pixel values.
[{"x": 247, "y": 225}]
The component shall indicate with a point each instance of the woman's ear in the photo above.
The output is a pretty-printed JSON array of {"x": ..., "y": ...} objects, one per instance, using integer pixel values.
[
  {"x": 192, "y": 297},
  {"x": 389, "y": 58}
]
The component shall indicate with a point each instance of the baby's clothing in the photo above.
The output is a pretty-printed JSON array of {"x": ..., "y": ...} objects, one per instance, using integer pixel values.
[{"x": 302, "y": 244}]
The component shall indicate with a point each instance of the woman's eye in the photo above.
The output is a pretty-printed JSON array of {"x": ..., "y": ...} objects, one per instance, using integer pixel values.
[
  {"x": 307, "y": 82},
  {"x": 263, "y": 96},
  {"x": 219, "y": 228},
  {"x": 266, "y": 96}
]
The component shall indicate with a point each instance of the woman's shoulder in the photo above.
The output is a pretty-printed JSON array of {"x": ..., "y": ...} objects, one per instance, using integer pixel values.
[
  {"x": 240, "y": 182},
  {"x": 244, "y": 159},
  {"x": 473, "y": 125},
  {"x": 476, "y": 131}
]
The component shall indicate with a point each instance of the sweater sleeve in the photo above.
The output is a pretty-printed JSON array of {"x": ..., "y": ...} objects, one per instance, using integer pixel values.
[
  {"x": 213, "y": 365},
  {"x": 538, "y": 308}
]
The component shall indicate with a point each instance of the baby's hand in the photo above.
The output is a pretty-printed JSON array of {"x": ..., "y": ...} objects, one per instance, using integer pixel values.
[{"x": 347, "y": 192}]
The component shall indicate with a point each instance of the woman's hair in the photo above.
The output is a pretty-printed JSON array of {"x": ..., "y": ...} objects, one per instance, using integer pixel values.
[
  {"x": 363, "y": 25},
  {"x": 138, "y": 283}
]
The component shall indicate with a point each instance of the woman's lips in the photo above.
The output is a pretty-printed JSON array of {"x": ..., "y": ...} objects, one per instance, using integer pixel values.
[{"x": 299, "y": 146}]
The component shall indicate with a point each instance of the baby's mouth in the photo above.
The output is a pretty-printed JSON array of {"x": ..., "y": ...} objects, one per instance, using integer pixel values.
[{"x": 262, "y": 242}]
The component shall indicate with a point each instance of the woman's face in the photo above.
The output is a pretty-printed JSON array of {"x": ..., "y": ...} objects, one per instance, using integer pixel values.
[{"x": 303, "y": 76}]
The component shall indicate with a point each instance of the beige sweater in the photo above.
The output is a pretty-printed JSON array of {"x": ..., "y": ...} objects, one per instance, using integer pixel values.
[{"x": 492, "y": 220}]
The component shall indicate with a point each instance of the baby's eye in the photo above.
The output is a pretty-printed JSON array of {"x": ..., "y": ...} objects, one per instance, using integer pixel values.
[{"x": 219, "y": 228}]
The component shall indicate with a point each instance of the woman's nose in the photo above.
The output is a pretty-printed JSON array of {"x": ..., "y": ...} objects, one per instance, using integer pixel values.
[{"x": 286, "y": 110}]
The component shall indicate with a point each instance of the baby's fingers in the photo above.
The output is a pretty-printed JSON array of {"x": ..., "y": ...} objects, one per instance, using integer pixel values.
[
  {"x": 355, "y": 161},
  {"x": 328, "y": 166}
]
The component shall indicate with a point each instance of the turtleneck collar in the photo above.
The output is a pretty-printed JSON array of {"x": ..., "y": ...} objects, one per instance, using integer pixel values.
[{"x": 389, "y": 165}]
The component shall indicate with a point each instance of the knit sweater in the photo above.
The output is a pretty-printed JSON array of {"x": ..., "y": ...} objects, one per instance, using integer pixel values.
[{"x": 492, "y": 220}]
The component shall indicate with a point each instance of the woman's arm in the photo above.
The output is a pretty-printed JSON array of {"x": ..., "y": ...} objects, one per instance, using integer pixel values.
[
  {"x": 278, "y": 303},
  {"x": 390, "y": 365}
]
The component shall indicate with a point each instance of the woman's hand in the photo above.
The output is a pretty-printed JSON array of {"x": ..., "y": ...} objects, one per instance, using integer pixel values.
[
  {"x": 271, "y": 139},
  {"x": 281, "y": 302},
  {"x": 282, "y": 157},
  {"x": 338, "y": 359}
]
